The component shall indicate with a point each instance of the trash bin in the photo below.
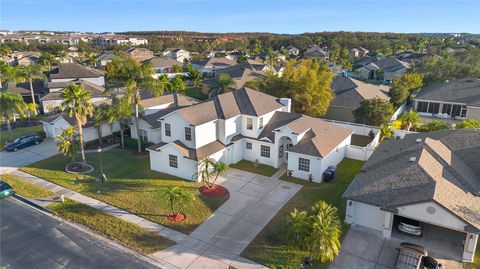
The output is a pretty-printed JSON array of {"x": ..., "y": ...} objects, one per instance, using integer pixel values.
[{"x": 329, "y": 174}]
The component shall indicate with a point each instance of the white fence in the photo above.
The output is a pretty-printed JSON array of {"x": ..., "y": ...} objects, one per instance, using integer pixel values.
[
  {"x": 359, "y": 153},
  {"x": 399, "y": 111},
  {"x": 358, "y": 128}
]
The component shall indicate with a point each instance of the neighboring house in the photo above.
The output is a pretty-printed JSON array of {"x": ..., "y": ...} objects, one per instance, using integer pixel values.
[
  {"x": 315, "y": 52},
  {"x": 293, "y": 51},
  {"x": 164, "y": 65},
  {"x": 105, "y": 58},
  {"x": 457, "y": 99},
  {"x": 349, "y": 94},
  {"x": 55, "y": 124},
  {"x": 26, "y": 58},
  {"x": 355, "y": 52},
  {"x": 411, "y": 57},
  {"x": 234, "y": 55},
  {"x": 177, "y": 54},
  {"x": 23, "y": 88},
  {"x": 139, "y": 54},
  {"x": 260, "y": 66},
  {"x": 431, "y": 177},
  {"x": 242, "y": 72},
  {"x": 360, "y": 52},
  {"x": 261, "y": 57},
  {"x": 245, "y": 124},
  {"x": 209, "y": 66},
  {"x": 386, "y": 69}
]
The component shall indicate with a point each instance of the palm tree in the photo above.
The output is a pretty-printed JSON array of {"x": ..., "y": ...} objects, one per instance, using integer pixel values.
[
  {"x": 77, "y": 103},
  {"x": 323, "y": 242},
  {"x": 385, "y": 132},
  {"x": 134, "y": 76},
  {"x": 101, "y": 116},
  {"x": 194, "y": 75},
  {"x": 177, "y": 195},
  {"x": 219, "y": 168},
  {"x": 29, "y": 73},
  {"x": 47, "y": 59},
  {"x": 410, "y": 119},
  {"x": 272, "y": 58},
  {"x": 225, "y": 83},
  {"x": 296, "y": 228},
  {"x": 68, "y": 142},
  {"x": 122, "y": 112},
  {"x": 205, "y": 168},
  {"x": 11, "y": 104}
]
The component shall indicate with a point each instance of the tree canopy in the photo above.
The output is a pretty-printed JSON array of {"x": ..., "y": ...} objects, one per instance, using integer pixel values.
[
  {"x": 374, "y": 111},
  {"x": 403, "y": 86}
]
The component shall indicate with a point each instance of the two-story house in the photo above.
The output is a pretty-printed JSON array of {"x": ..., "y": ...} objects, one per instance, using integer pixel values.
[
  {"x": 177, "y": 54},
  {"x": 244, "y": 124},
  {"x": 139, "y": 54}
]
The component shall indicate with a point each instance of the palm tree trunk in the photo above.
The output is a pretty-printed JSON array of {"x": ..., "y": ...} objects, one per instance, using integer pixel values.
[
  {"x": 139, "y": 145},
  {"x": 122, "y": 135},
  {"x": 171, "y": 206},
  {"x": 9, "y": 128},
  {"x": 99, "y": 134},
  {"x": 82, "y": 149}
]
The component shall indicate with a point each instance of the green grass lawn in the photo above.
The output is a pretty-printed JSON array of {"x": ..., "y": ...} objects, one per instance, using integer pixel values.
[
  {"x": 269, "y": 247},
  {"x": 249, "y": 166},
  {"x": 114, "y": 228},
  {"x": 131, "y": 186},
  {"x": 5, "y": 136},
  {"x": 196, "y": 92},
  {"x": 27, "y": 189}
]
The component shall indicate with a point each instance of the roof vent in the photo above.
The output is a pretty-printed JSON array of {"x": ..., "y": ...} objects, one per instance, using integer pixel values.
[
  {"x": 419, "y": 140},
  {"x": 412, "y": 159}
]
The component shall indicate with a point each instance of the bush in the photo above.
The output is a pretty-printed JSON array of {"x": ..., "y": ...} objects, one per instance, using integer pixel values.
[
  {"x": 434, "y": 125},
  {"x": 469, "y": 124},
  {"x": 132, "y": 143},
  {"x": 42, "y": 134}
]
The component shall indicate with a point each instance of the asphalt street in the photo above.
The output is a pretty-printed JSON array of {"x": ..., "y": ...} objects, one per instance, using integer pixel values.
[{"x": 30, "y": 239}]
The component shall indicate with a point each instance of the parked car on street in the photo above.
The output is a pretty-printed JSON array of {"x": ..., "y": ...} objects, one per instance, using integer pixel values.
[
  {"x": 23, "y": 141},
  {"x": 5, "y": 189},
  {"x": 410, "y": 256},
  {"x": 410, "y": 226},
  {"x": 329, "y": 174}
]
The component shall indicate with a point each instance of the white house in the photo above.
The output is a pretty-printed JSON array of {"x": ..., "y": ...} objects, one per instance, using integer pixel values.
[
  {"x": 433, "y": 178},
  {"x": 293, "y": 51},
  {"x": 177, "y": 54},
  {"x": 244, "y": 124}
]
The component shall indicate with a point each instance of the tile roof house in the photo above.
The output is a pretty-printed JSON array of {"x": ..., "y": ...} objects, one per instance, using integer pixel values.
[
  {"x": 242, "y": 124},
  {"x": 431, "y": 177},
  {"x": 349, "y": 94},
  {"x": 456, "y": 99}
]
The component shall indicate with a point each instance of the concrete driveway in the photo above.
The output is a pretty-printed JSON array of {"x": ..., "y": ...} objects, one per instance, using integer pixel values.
[
  {"x": 364, "y": 248},
  {"x": 10, "y": 161}
]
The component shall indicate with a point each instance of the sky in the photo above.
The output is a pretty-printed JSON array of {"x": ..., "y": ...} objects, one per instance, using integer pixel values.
[{"x": 280, "y": 16}]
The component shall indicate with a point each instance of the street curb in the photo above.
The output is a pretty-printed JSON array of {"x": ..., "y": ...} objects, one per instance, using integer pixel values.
[{"x": 144, "y": 257}]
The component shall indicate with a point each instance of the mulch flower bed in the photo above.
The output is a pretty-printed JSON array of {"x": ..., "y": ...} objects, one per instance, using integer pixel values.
[
  {"x": 215, "y": 191},
  {"x": 78, "y": 168},
  {"x": 176, "y": 218}
]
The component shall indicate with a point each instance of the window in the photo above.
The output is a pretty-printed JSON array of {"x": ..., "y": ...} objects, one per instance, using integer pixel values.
[
  {"x": 433, "y": 108},
  {"x": 188, "y": 133},
  {"x": 260, "y": 123},
  {"x": 248, "y": 145},
  {"x": 249, "y": 124},
  {"x": 304, "y": 164},
  {"x": 168, "y": 131},
  {"x": 463, "y": 114},
  {"x": 447, "y": 109},
  {"x": 456, "y": 110},
  {"x": 143, "y": 135},
  {"x": 422, "y": 106},
  {"x": 280, "y": 151},
  {"x": 172, "y": 159},
  {"x": 265, "y": 151}
]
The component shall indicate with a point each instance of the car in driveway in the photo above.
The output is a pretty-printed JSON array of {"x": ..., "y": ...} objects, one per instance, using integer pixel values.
[
  {"x": 430, "y": 263},
  {"x": 5, "y": 189},
  {"x": 23, "y": 141},
  {"x": 410, "y": 226},
  {"x": 410, "y": 256}
]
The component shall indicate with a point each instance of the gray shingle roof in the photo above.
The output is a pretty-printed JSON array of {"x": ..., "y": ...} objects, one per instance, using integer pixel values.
[
  {"x": 350, "y": 92},
  {"x": 446, "y": 170},
  {"x": 94, "y": 89},
  {"x": 74, "y": 70},
  {"x": 466, "y": 90},
  {"x": 164, "y": 62},
  {"x": 194, "y": 154}
]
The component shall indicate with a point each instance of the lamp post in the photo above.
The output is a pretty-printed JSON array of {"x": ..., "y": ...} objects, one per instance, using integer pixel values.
[{"x": 103, "y": 178}]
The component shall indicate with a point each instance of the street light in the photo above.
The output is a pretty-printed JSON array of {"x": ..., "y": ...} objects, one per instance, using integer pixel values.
[{"x": 103, "y": 178}]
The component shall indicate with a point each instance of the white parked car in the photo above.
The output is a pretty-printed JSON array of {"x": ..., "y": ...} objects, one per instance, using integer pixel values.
[{"x": 410, "y": 226}]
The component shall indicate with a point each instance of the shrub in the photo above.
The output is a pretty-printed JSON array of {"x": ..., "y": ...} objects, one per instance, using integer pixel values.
[
  {"x": 42, "y": 134},
  {"x": 434, "y": 125},
  {"x": 132, "y": 143},
  {"x": 469, "y": 124}
]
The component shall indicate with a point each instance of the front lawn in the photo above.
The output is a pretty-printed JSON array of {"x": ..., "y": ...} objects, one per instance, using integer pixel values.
[
  {"x": 114, "y": 228},
  {"x": 269, "y": 247},
  {"x": 196, "y": 92},
  {"x": 249, "y": 166},
  {"x": 27, "y": 189},
  {"x": 131, "y": 186},
  {"x": 6, "y": 136}
]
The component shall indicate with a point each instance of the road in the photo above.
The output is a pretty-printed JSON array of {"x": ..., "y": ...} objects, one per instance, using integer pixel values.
[{"x": 30, "y": 239}]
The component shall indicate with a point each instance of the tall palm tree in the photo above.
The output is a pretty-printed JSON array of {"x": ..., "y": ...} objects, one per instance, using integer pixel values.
[
  {"x": 225, "y": 83},
  {"x": 11, "y": 104},
  {"x": 122, "y": 112},
  {"x": 47, "y": 59},
  {"x": 29, "y": 73},
  {"x": 410, "y": 119},
  {"x": 133, "y": 76},
  {"x": 177, "y": 195},
  {"x": 77, "y": 103},
  {"x": 219, "y": 168},
  {"x": 68, "y": 142},
  {"x": 271, "y": 58},
  {"x": 101, "y": 116},
  {"x": 297, "y": 227},
  {"x": 205, "y": 168},
  {"x": 9, "y": 73}
]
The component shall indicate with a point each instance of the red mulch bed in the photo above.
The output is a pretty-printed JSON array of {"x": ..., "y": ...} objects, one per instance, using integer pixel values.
[
  {"x": 216, "y": 192},
  {"x": 176, "y": 218}
]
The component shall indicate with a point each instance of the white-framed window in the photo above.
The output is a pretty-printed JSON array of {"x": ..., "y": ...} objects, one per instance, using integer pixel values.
[
  {"x": 265, "y": 151},
  {"x": 280, "y": 151},
  {"x": 260, "y": 122},
  {"x": 249, "y": 123},
  {"x": 248, "y": 145},
  {"x": 173, "y": 161},
  {"x": 304, "y": 164},
  {"x": 168, "y": 130},
  {"x": 143, "y": 135},
  {"x": 188, "y": 133}
]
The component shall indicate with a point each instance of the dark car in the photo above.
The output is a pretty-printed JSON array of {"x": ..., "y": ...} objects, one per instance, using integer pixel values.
[
  {"x": 430, "y": 263},
  {"x": 24, "y": 141},
  {"x": 329, "y": 174}
]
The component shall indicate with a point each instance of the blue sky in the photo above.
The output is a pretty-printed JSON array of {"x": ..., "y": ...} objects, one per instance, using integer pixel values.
[{"x": 281, "y": 16}]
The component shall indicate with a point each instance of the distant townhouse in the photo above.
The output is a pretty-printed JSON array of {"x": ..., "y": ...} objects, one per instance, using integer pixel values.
[
  {"x": 315, "y": 52},
  {"x": 293, "y": 51},
  {"x": 139, "y": 54},
  {"x": 105, "y": 58},
  {"x": 111, "y": 40},
  {"x": 208, "y": 66},
  {"x": 359, "y": 52},
  {"x": 26, "y": 58},
  {"x": 349, "y": 94},
  {"x": 244, "y": 124},
  {"x": 458, "y": 99},
  {"x": 177, "y": 54}
]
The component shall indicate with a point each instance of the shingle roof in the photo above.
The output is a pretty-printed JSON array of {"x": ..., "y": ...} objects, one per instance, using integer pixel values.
[
  {"x": 466, "y": 90},
  {"x": 74, "y": 70},
  {"x": 446, "y": 170},
  {"x": 106, "y": 56},
  {"x": 23, "y": 88},
  {"x": 350, "y": 92},
  {"x": 194, "y": 154},
  {"x": 391, "y": 64},
  {"x": 241, "y": 73},
  {"x": 176, "y": 101},
  {"x": 214, "y": 61},
  {"x": 164, "y": 62},
  {"x": 94, "y": 89}
]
